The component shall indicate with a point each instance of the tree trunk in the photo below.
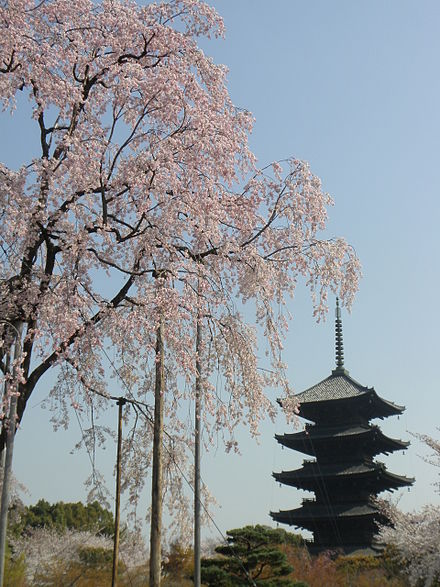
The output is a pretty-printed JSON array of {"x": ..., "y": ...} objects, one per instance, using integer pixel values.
[
  {"x": 197, "y": 427},
  {"x": 156, "y": 484},
  {"x": 7, "y": 472},
  {"x": 121, "y": 402}
]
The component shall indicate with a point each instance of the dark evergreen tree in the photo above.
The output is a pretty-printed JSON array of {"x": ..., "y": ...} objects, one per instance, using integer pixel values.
[
  {"x": 75, "y": 516},
  {"x": 253, "y": 556}
]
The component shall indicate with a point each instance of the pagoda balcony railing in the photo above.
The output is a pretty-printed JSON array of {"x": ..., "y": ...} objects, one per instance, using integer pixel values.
[{"x": 308, "y": 500}]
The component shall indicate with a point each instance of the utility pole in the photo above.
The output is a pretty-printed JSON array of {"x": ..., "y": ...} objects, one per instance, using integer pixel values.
[
  {"x": 9, "y": 448},
  {"x": 197, "y": 429},
  {"x": 5, "y": 393},
  {"x": 157, "y": 474},
  {"x": 121, "y": 402}
]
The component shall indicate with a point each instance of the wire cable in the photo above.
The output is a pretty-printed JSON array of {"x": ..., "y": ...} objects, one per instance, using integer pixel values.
[
  {"x": 150, "y": 420},
  {"x": 184, "y": 477}
]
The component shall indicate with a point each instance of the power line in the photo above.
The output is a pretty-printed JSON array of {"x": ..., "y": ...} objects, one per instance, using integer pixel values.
[{"x": 179, "y": 469}]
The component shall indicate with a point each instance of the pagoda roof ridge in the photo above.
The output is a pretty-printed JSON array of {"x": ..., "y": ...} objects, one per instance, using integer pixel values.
[
  {"x": 336, "y": 430},
  {"x": 313, "y": 511},
  {"x": 314, "y": 432},
  {"x": 311, "y": 469}
]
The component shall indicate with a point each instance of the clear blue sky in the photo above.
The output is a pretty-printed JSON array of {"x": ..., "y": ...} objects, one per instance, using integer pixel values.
[{"x": 352, "y": 87}]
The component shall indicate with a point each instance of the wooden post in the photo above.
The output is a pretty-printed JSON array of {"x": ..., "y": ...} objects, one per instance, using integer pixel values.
[
  {"x": 10, "y": 436},
  {"x": 156, "y": 483},
  {"x": 197, "y": 427},
  {"x": 121, "y": 402},
  {"x": 5, "y": 392}
]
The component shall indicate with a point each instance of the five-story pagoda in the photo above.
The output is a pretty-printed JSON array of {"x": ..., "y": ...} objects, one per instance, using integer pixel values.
[{"x": 343, "y": 473}]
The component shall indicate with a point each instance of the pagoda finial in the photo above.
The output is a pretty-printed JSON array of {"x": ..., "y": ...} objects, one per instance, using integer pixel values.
[{"x": 339, "y": 344}]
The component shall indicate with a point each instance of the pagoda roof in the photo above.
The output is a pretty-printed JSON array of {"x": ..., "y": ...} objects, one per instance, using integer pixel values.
[
  {"x": 317, "y": 435},
  {"x": 312, "y": 472},
  {"x": 340, "y": 386}
]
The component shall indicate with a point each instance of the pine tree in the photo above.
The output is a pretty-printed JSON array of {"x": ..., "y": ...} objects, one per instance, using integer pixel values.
[{"x": 252, "y": 557}]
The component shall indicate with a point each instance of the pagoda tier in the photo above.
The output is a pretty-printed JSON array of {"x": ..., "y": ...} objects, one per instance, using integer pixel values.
[
  {"x": 340, "y": 399},
  {"x": 312, "y": 513},
  {"x": 325, "y": 441},
  {"x": 343, "y": 475},
  {"x": 372, "y": 477},
  {"x": 349, "y": 527}
]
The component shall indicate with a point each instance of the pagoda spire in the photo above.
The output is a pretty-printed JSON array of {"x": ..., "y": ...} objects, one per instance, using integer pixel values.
[{"x": 339, "y": 343}]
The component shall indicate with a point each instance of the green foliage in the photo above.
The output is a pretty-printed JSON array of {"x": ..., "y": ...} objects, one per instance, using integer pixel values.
[
  {"x": 62, "y": 516},
  {"x": 253, "y": 553}
]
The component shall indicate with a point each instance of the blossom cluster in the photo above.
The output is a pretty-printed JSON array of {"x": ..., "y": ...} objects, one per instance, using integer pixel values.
[{"x": 416, "y": 535}]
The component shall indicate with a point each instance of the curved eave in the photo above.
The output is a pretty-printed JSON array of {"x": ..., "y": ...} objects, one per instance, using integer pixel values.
[
  {"x": 392, "y": 408},
  {"x": 399, "y": 480},
  {"x": 394, "y": 444}
]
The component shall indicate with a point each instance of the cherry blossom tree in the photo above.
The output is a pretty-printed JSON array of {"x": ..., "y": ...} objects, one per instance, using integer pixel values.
[
  {"x": 415, "y": 536},
  {"x": 141, "y": 148},
  {"x": 50, "y": 553},
  {"x": 143, "y": 206},
  {"x": 46, "y": 549}
]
